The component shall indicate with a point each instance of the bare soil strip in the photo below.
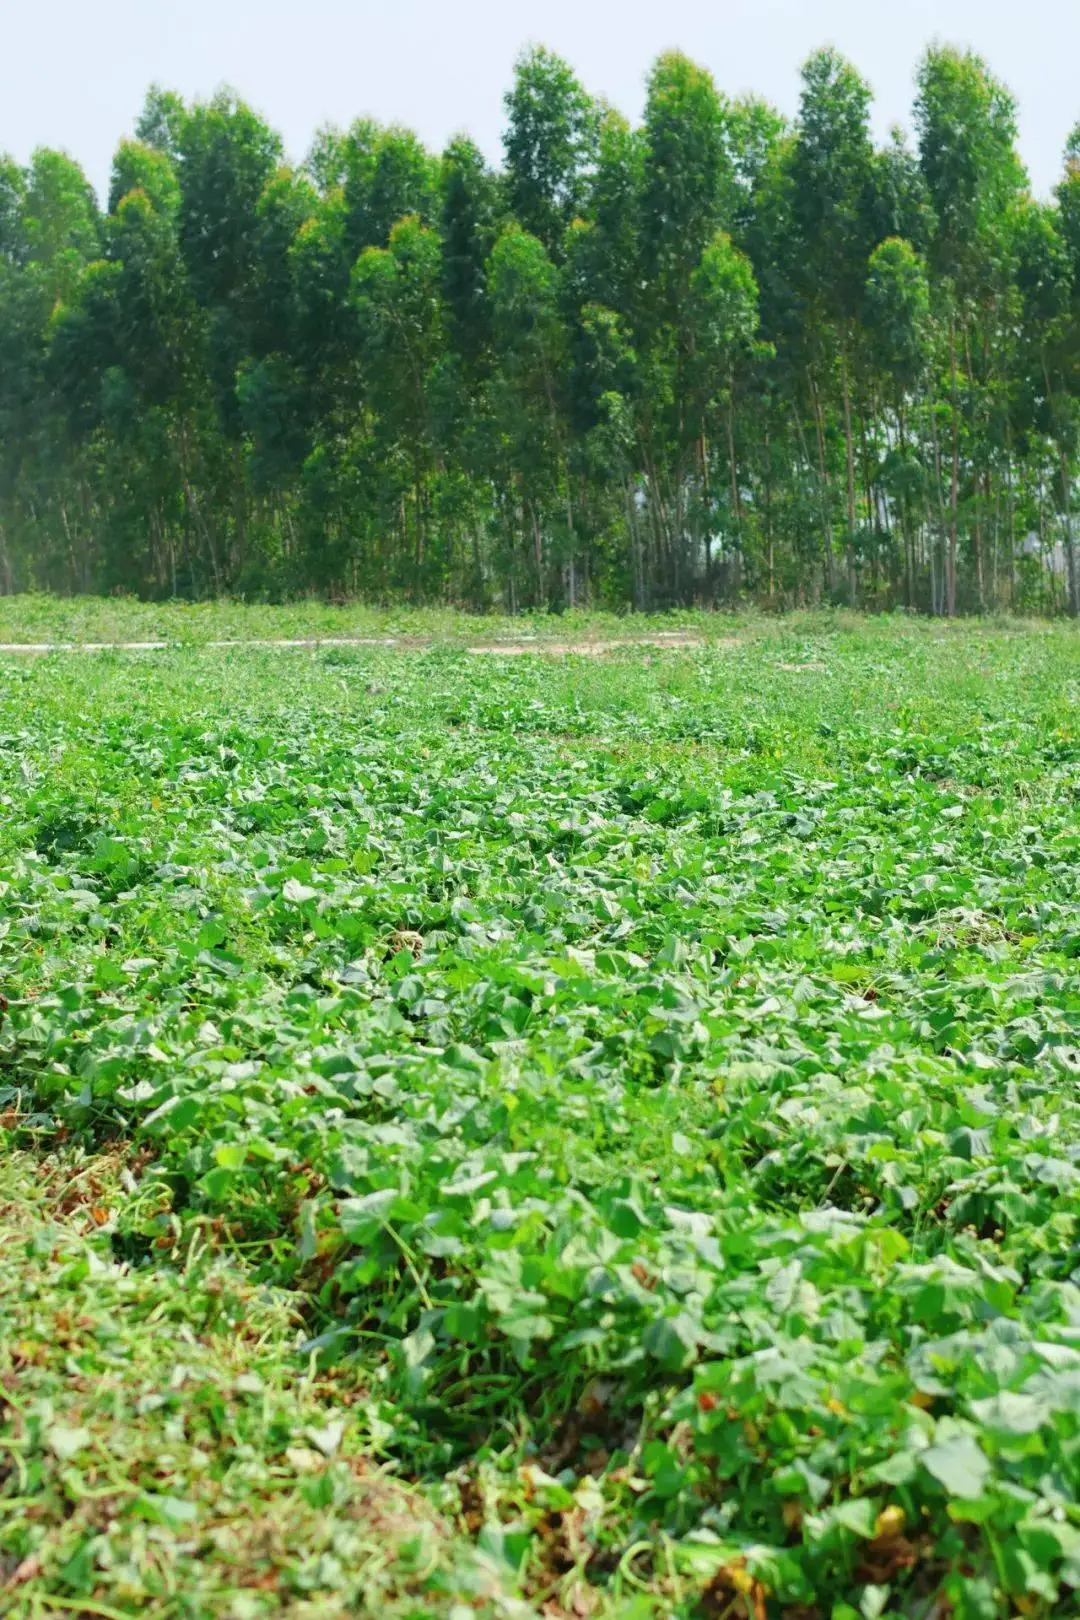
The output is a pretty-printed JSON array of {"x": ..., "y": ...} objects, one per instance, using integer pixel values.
[{"x": 498, "y": 649}]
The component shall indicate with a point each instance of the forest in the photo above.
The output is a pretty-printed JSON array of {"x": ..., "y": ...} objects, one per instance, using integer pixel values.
[{"x": 721, "y": 357}]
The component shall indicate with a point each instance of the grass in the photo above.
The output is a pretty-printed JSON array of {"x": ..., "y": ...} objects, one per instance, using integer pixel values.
[
  {"x": 45, "y": 619},
  {"x": 165, "y": 1450},
  {"x": 627, "y": 1108}
]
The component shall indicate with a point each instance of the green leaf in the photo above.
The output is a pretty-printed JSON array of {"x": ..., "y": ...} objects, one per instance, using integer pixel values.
[
  {"x": 65, "y": 1442},
  {"x": 327, "y": 1437},
  {"x": 230, "y": 1155},
  {"x": 297, "y": 893},
  {"x": 959, "y": 1464},
  {"x": 362, "y": 1217},
  {"x": 859, "y": 1515}
]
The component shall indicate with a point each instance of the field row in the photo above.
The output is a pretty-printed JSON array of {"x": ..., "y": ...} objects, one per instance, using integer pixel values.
[{"x": 655, "y": 1080}]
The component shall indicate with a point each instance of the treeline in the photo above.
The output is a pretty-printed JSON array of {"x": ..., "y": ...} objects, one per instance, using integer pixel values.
[{"x": 718, "y": 357}]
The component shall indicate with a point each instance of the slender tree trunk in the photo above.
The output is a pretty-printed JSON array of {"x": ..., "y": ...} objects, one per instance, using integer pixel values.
[
  {"x": 940, "y": 603},
  {"x": 418, "y": 556},
  {"x": 849, "y": 447},
  {"x": 477, "y": 592},
  {"x": 827, "y": 536},
  {"x": 1070, "y": 537},
  {"x": 637, "y": 582},
  {"x": 905, "y": 517},
  {"x": 201, "y": 526},
  {"x": 538, "y": 553},
  {"x": 769, "y": 542},
  {"x": 7, "y": 573},
  {"x": 954, "y": 485},
  {"x": 1013, "y": 565},
  {"x": 706, "y": 524},
  {"x": 70, "y": 549},
  {"x": 995, "y": 554},
  {"x": 1043, "y": 547},
  {"x": 976, "y": 505},
  {"x": 736, "y": 500},
  {"x": 571, "y": 571}
]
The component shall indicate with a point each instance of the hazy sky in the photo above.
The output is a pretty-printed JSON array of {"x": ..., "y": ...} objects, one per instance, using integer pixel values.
[{"x": 73, "y": 72}]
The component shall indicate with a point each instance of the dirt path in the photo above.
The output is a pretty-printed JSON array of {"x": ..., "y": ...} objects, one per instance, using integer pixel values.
[{"x": 499, "y": 649}]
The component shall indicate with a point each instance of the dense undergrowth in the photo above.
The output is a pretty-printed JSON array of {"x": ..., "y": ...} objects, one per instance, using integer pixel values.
[
  {"x": 50, "y": 620},
  {"x": 655, "y": 1078}
]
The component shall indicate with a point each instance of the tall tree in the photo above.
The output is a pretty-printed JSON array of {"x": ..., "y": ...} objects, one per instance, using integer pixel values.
[
  {"x": 396, "y": 292},
  {"x": 549, "y": 144},
  {"x": 468, "y": 221},
  {"x": 832, "y": 194},
  {"x": 966, "y": 123},
  {"x": 711, "y": 355}
]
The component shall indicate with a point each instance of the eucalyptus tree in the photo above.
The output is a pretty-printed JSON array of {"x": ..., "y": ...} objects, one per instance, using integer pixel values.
[
  {"x": 133, "y": 323},
  {"x": 549, "y": 146},
  {"x": 226, "y": 154},
  {"x": 1068, "y": 222},
  {"x": 162, "y": 120},
  {"x": 525, "y": 393},
  {"x": 388, "y": 174},
  {"x": 688, "y": 193},
  {"x": 966, "y": 123},
  {"x": 832, "y": 178},
  {"x": 61, "y": 223},
  {"x": 602, "y": 289},
  {"x": 1049, "y": 370},
  {"x": 470, "y": 212},
  {"x": 572, "y": 375},
  {"x": 724, "y": 317},
  {"x": 899, "y": 347},
  {"x": 139, "y": 166},
  {"x": 50, "y": 230},
  {"x": 396, "y": 295},
  {"x": 274, "y": 401}
]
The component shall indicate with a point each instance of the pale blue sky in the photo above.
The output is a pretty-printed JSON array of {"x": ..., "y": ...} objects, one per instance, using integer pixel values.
[{"x": 73, "y": 72}]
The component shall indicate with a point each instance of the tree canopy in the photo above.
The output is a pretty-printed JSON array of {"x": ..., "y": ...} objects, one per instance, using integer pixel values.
[{"x": 720, "y": 356}]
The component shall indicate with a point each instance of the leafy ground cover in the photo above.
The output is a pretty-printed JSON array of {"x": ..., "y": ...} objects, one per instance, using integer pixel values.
[
  {"x": 163, "y": 1451},
  {"x": 627, "y": 1107},
  {"x": 53, "y": 619}
]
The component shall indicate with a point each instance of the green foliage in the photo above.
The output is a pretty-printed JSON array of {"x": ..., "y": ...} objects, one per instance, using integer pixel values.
[
  {"x": 831, "y": 182},
  {"x": 725, "y": 293},
  {"x": 897, "y": 314},
  {"x": 550, "y": 397},
  {"x": 687, "y": 190},
  {"x": 967, "y": 131},
  {"x": 387, "y": 175},
  {"x": 138, "y": 166},
  {"x": 468, "y": 224},
  {"x": 549, "y": 145},
  {"x": 189, "y": 1416},
  {"x": 13, "y": 245},
  {"x": 59, "y": 218},
  {"x": 226, "y": 156},
  {"x": 654, "y": 1078}
]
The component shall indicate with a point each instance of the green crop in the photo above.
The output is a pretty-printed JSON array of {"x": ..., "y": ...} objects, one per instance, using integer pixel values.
[{"x": 653, "y": 1082}]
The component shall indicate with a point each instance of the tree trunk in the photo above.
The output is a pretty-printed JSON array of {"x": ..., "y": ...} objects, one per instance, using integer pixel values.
[
  {"x": 905, "y": 519},
  {"x": 938, "y": 602},
  {"x": 1070, "y": 538},
  {"x": 736, "y": 499},
  {"x": 849, "y": 447},
  {"x": 538, "y": 553},
  {"x": 954, "y": 486},
  {"x": 827, "y": 537},
  {"x": 7, "y": 575}
]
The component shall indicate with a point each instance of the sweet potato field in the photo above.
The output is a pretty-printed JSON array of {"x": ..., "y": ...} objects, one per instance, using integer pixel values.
[{"x": 543, "y": 1135}]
